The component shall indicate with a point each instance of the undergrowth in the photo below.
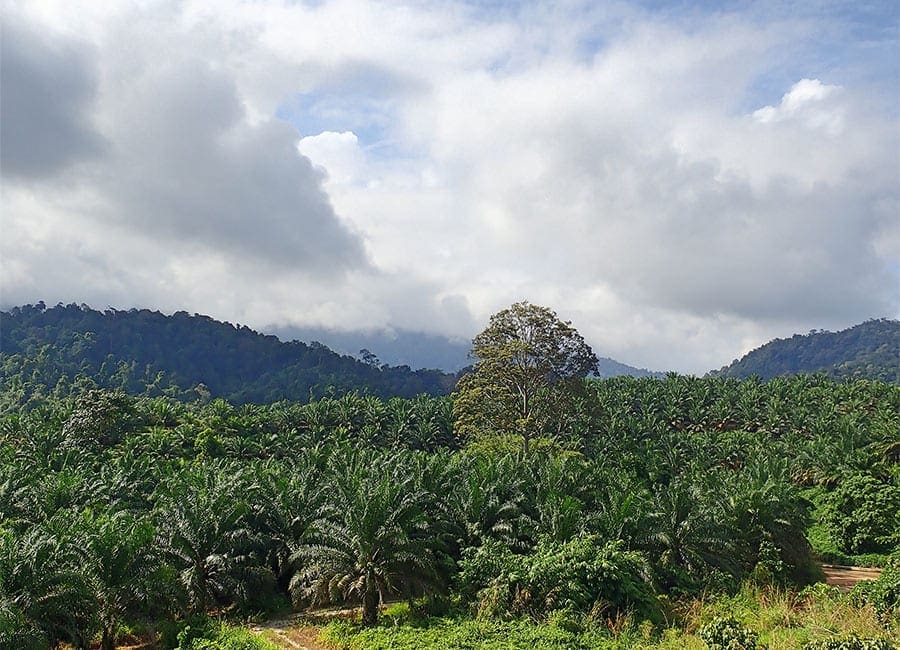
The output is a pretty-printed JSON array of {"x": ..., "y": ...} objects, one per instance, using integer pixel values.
[{"x": 778, "y": 619}]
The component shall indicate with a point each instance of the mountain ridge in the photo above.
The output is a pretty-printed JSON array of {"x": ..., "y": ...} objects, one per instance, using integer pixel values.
[
  {"x": 868, "y": 350},
  {"x": 183, "y": 355},
  {"x": 60, "y": 349}
]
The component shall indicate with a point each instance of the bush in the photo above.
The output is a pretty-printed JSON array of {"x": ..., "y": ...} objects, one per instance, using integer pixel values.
[
  {"x": 851, "y": 642},
  {"x": 17, "y": 632},
  {"x": 820, "y": 591},
  {"x": 769, "y": 569},
  {"x": 582, "y": 576},
  {"x": 863, "y": 515},
  {"x": 726, "y": 633},
  {"x": 482, "y": 565},
  {"x": 883, "y": 594}
]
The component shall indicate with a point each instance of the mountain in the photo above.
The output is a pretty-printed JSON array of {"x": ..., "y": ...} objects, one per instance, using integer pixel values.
[
  {"x": 870, "y": 350},
  {"x": 420, "y": 349},
  {"x": 392, "y": 346},
  {"x": 611, "y": 368},
  {"x": 187, "y": 356}
]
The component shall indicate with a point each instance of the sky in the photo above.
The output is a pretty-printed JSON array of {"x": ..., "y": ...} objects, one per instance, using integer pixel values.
[{"x": 682, "y": 180}]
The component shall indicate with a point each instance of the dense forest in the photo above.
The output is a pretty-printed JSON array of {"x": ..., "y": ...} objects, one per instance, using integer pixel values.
[
  {"x": 70, "y": 347},
  {"x": 870, "y": 350},
  {"x": 535, "y": 506}
]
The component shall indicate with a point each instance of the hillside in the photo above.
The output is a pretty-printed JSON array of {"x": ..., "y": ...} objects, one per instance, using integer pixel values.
[
  {"x": 44, "y": 351},
  {"x": 870, "y": 350}
]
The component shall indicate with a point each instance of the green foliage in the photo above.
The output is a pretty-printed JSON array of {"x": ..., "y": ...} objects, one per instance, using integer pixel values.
[
  {"x": 529, "y": 365},
  {"x": 159, "y": 508},
  {"x": 43, "y": 590},
  {"x": 726, "y": 633},
  {"x": 882, "y": 594},
  {"x": 864, "y": 351},
  {"x": 851, "y": 642},
  {"x": 17, "y": 631},
  {"x": 863, "y": 515},
  {"x": 585, "y": 576},
  {"x": 99, "y": 419},
  {"x": 206, "y": 634},
  {"x": 370, "y": 540},
  {"x": 454, "y": 634}
]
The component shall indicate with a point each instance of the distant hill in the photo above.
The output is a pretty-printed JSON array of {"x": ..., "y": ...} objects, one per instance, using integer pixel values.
[
  {"x": 186, "y": 356},
  {"x": 393, "y": 346},
  {"x": 421, "y": 349},
  {"x": 870, "y": 350},
  {"x": 611, "y": 368}
]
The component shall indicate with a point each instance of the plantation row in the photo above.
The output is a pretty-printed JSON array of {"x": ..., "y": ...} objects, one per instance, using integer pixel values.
[{"x": 122, "y": 514}]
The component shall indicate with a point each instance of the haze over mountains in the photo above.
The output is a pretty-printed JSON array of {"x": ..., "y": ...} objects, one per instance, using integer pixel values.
[{"x": 419, "y": 349}]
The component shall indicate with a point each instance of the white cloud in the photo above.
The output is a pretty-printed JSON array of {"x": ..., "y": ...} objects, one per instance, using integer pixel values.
[
  {"x": 620, "y": 165},
  {"x": 808, "y": 102}
]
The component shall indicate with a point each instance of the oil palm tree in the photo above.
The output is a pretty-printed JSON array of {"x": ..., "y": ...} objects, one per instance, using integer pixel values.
[
  {"x": 367, "y": 544},
  {"x": 203, "y": 531},
  {"x": 120, "y": 566},
  {"x": 44, "y": 596}
]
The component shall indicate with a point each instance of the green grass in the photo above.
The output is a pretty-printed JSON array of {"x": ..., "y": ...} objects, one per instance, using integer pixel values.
[
  {"x": 207, "y": 634},
  {"x": 783, "y": 619}
]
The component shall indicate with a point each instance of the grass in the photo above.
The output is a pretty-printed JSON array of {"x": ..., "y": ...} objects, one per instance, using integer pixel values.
[{"x": 783, "y": 619}]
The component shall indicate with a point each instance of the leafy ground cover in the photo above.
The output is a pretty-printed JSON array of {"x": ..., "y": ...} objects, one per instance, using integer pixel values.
[{"x": 779, "y": 619}]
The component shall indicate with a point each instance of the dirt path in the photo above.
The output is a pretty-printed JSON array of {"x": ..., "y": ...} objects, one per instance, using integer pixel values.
[
  {"x": 301, "y": 631},
  {"x": 846, "y": 577},
  {"x": 292, "y": 633}
]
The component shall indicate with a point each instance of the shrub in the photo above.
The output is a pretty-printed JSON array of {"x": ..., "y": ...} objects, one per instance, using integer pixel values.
[
  {"x": 883, "y": 594},
  {"x": 863, "y": 515},
  {"x": 769, "y": 567},
  {"x": 820, "y": 591},
  {"x": 18, "y": 632},
  {"x": 726, "y": 633},
  {"x": 582, "y": 576},
  {"x": 851, "y": 642},
  {"x": 482, "y": 565}
]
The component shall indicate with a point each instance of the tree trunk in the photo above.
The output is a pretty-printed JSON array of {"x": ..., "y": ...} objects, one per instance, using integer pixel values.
[
  {"x": 370, "y": 606},
  {"x": 108, "y": 640}
]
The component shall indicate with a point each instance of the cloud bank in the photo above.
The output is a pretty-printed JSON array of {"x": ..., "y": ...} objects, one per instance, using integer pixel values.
[{"x": 683, "y": 185}]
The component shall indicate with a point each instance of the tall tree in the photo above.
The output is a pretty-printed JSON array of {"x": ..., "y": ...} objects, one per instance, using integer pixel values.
[{"x": 528, "y": 362}]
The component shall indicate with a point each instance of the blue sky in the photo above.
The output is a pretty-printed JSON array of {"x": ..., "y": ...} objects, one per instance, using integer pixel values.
[{"x": 683, "y": 180}]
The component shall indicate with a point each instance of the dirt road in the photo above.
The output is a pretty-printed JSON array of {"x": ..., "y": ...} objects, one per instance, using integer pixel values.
[
  {"x": 846, "y": 577},
  {"x": 293, "y": 633}
]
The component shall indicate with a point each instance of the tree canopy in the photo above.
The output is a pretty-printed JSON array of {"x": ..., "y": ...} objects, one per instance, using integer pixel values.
[{"x": 528, "y": 362}]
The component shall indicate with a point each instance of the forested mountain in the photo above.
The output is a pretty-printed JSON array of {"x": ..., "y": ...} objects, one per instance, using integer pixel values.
[
  {"x": 46, "y": 351},
  {"x": 870, "y": 350}
]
